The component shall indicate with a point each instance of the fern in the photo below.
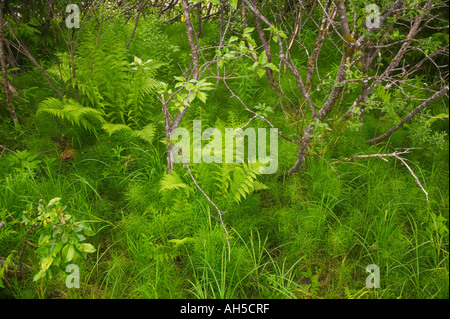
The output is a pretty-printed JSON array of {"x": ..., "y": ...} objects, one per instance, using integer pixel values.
[
  {"x": 73, "y": 112},
  {"x": 147, "y": 133},
  {"x": 111, "y": 128},
  {"x": 5, "y": 233},
  {"x": 245, "y": 181},
  {"x": 106, "y": 81},
  {"x": 173, "y": 182}
]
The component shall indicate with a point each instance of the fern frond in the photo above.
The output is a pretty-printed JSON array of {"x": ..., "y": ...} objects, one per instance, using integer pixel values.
[
  {"x": 5, "y": 233},
  {"x": 147, "y": 133},
  {"x": 73, "y": 112},
  {"x": 172, "y": 182},
  {"x": 244, "y": 181},
  {"x": 111, "y": 128}
]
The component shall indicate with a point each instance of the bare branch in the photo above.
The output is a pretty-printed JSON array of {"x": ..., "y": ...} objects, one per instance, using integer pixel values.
[
  {"x": 395, "y": 155},
  {"x": 409, "y": 116},
  {"x": 258, "y": 115},
  {"x": 220, "y": 212}
]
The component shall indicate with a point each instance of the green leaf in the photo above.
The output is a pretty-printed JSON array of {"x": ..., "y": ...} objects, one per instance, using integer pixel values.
[
  {"x": 88, "y": 248},
  {"x": 261, "y": 72},
  {"x": 53, "y": 201},
  {"x": 68, "y": 252},
  {"x": 191, "y": 98},
  {"x": 263, "y": 58},
  {"x": 43, "y": 240},
  {"x": 233, "y": 4},
  {"x": 282, "y": 34},
  {"x": 248, "y": 30},
  {"x": 64, "y": 238},
  {"x": 57, "y": 248},
  {"x": 46, "y": 263},
  {"x": 271, "y": 66},
  {"x": 111, "y": 128},
  {"x": 202, "y": 96},
  {"x": 147, "y": 133},
  {"x": 39, "y": 275},
  {"x": 89, "y": 232}
]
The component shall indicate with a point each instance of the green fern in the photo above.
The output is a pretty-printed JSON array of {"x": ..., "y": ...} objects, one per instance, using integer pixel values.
[
  {"x": 245, "y": 181},
  {"x": 111, "y": 128},
  {"x": 172, "y": 182},
  {"x": 73, "y": 112},
  {"x": 106, "y": 81},
  {"x": 5, "y": 233},
  {"x": 147, "y": 133}
]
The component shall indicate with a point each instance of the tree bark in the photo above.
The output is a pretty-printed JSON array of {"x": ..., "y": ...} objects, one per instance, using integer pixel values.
[
  {"x": 335, "y": 92},
  {"x": 141, "y": 6},
  {"x": 266, "y": 47},
  {"x": 168, "y": 130},
  {"x": 199, "y": 18},
  {"x": 190, "y": 34},
  {"x": 170, "y": 124}
]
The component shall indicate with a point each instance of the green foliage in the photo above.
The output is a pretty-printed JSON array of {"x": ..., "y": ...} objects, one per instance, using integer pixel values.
[
  {"x": 24, "y": 161},
  {"x": 61, "y": 238},
  {"x": 309, "y": 235},
  {"x": 5, "y": 267},
  {"x": 423, "y": 135},
  {"x": 86, "y": 117}
]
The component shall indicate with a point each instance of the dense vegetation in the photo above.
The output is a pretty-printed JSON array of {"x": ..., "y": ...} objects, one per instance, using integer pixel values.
[{"x": 86, "y": 179}]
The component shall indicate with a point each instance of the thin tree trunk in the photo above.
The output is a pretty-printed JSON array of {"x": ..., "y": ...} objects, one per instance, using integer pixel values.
[
  {"x": 244, "y": 15},
  {"x": 141, "y": 6},
  {"x": 301, "y": 156},
  {"x": 168, "y": 130},
  {"x": 335, "y": 92},
  {"x": 220, "y": 42},
  {"x": 5, "y": 82},
  {"x": 171, "y": 124},
  {"x": 190, "y": 34},
  {"x": 199, "y": 18},
  {"x": 409, "y": 116},
  {"x": 266, "y": 47},
  {"x": 208, "y": 10}
]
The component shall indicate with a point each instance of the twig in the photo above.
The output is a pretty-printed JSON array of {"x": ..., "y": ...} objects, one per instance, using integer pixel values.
[
  {"x": 5, "y": 148},
  {"x": 258, "y": 115},
  {"x": 395, "y": 155},
  {"x": 414, "y": 175},
  {"x": 334, "y": 170},
  {"x": 220, "y": 212}
]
